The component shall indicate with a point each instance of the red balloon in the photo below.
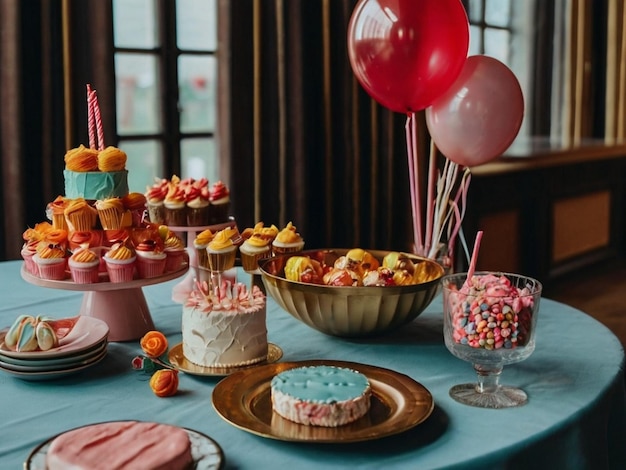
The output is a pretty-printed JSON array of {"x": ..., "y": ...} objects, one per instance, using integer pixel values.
[
  {"x": 406, "y": 53},
  {"x": 479, "y": 116}
]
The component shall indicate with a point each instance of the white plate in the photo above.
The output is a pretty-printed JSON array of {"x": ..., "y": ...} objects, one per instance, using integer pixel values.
[
  {"x": 53, "y": 366},
  {"x": 206, "y": 453},
  {"x": 87, "y": 332},
  {"x": 50, "y": 375},
  {"x": 54, "y": 362}
]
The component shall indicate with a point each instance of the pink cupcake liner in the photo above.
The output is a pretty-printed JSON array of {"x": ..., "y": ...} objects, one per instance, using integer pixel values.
[
  {"x": 150, "y": 267},
  {"x": 51, "y": 269},
  {"x": 120, "y": 271},
  {"x": 84, "y": 273},
  {"x": 174, "y": 260}
]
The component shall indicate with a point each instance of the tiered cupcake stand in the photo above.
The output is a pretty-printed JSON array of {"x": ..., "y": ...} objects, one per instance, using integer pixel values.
[{"x": 121, "y": 305}]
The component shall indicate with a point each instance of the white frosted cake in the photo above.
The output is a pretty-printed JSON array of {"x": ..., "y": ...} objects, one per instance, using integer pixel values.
[
  {"x": 121, "y": 445},
  {"x": 321, "y": 395},
  {"x": 225, "y": 328}
]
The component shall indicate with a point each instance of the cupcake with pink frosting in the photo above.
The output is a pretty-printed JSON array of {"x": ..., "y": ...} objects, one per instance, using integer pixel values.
[
  {"x": 155, "y": 197},
  {"x": 219, "y": 198},
  {"x": 197, "y": 200},
  {"x": 175, "y": 204}
]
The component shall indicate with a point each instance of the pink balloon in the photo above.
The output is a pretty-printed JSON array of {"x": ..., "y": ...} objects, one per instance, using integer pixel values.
[
  {"x": 406, "y": 53},
  {"x": 479, "y": 116}
]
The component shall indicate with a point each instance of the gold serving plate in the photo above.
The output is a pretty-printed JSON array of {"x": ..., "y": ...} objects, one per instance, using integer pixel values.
[
  {"x": 398, "y": 404},
  {"x": 180, "y": 362}
]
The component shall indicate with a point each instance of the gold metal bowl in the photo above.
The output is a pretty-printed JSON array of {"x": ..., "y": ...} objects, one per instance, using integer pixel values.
[{"x": 349, "y": 311}]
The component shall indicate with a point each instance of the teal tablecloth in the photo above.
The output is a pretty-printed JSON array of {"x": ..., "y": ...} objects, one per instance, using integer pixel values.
[{"x": 575, "y": 417}]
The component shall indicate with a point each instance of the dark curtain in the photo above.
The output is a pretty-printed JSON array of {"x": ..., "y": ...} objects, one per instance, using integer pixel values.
[{"x": 306, "y": 143}]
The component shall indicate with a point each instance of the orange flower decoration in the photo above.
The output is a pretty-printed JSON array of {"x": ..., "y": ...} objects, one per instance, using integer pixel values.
[
  {"x": 164, "y": 382},
  {"x": 154, "y": 343}
]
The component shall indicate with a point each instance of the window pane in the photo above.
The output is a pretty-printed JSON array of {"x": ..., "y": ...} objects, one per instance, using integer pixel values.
[
  {"x": 199, "y": 159},
  {"x": 144, "y": 163},
  {"x": 197, "y": 89},
  {"x": 498, "y": 12},
  {"x": 476, "y": 41},
  {"x": 134, "y": 23},
  {"x": 497, "y": 43},
  {"x": 476, "y": 11},
  {"x": 196, "y": 24},
  {"x": 137, "y": 101}
]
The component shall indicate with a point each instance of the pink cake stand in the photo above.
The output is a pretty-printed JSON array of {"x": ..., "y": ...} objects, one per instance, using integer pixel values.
[{"x": 121, "y": 305}]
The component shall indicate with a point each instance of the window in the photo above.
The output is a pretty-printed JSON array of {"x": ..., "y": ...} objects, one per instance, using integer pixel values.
[
  {"x": 503, "y": 29},
  {"x": 166, "y": 74}
]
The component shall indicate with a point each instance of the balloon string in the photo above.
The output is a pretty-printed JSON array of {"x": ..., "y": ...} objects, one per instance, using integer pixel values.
[
  {"x": 411, "y": 147},
  {"x": 430, "y": 208}
]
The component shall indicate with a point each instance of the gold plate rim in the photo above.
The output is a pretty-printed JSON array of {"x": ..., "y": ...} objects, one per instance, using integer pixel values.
[
  {"x": 399, "y": 403},
  {"x": 180, "y": 362}
]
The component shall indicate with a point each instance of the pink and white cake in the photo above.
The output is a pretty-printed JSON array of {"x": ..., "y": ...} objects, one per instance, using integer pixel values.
[
  {"x": 225, "y": 327},
  {"x": 121, "y": 445},
  {"x": 321, "y": 395}
]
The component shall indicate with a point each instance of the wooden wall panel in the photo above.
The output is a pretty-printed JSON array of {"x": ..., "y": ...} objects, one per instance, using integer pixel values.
[
  {"x": 581, "y": 224},
  {"x": 500, "y": 245}
]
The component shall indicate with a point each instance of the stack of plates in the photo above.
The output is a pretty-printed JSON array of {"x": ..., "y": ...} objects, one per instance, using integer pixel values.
[{"x": 84, "y": 346}]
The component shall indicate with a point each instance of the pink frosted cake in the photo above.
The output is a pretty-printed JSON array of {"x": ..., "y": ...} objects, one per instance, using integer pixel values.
[
  {"x": 321, "y": 395},
  {"x": 121, "y": 445},
  {"x": 225, "y": 328}
]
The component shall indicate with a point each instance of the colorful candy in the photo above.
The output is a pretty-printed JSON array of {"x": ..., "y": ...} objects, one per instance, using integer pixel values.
[{"x": 491, "y": 313}]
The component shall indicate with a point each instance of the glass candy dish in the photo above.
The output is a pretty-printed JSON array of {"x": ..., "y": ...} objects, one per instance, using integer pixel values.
[{"x": 490, "y": 323}]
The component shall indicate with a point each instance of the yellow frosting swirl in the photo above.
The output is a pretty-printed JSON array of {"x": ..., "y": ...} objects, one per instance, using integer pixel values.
[
  {"x": 288, "y": 234},
  {"x": 111, "y": 159},
  {"x": 222, "y": 239},
  {"x": 120, "y": 252},
  {"x": 204, "y": 237},
  {"x": 84, "y": 256}
]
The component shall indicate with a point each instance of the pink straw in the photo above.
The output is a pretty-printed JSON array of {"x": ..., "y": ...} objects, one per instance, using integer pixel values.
[{"x": 472, "y": 266}]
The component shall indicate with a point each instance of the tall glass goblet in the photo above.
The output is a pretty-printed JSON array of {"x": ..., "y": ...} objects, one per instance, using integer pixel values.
[{"x": 490, "y": 321}]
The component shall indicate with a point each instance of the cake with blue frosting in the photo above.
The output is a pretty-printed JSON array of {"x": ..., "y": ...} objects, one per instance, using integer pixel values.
[{"x": 321, "y": 395}]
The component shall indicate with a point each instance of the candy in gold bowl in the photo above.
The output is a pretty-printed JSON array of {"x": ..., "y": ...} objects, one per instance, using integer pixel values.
[{"x": 351, "y": 311}]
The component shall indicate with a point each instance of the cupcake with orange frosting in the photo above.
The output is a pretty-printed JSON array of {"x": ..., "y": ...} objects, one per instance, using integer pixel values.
[
  {"x": 155, "y": 197},
  {"x": 51, "y": 261},
  {"x": 219, "y": 198},
  {"x": 151, "y": 259},
  {"x": 80, "y": 216},
  {"x": 84, "y": 266},
  {"x": 120, "y": 263},
  {"x": 56, "y": 212},
  {"x": 174, "y": 249},
  {"x": 135, "y": 203},
  {"x": 110, "y": 213},
  {"x": 200, "y": 244},
  {"x": 32, "y": 237},
  {"x": 81, "y": 159},
  {"x": 252, "y": 250},
  {"x": 111, "y": 159},
  {"x": 221, "y": 250},
  {"x": 288, "y": 240},
  {"x": 175, "y": 204}
]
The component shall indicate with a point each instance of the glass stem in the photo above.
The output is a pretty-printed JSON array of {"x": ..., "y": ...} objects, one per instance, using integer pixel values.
[{"x": 488, "y": 377}]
